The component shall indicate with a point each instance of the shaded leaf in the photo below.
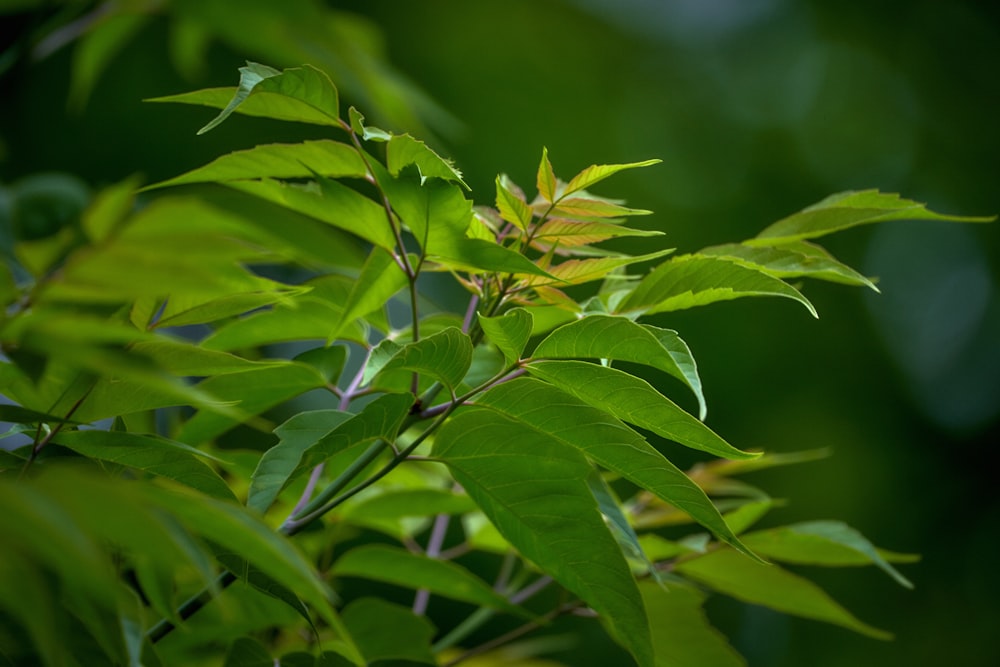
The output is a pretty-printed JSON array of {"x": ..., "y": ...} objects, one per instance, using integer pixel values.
[
  {"x": 247, "y": 652},
  {"x": 611, "y": 508},
  {"x": 634, "y": 400},
  {"x": 436, "y": 212},
  {"x": 620, "y": 339},
  {"x": 386, "y": 631},
  {"x": 533, "y": 489},
  {"x": 259, "y": 581},
  {"x": 446, "y": 356},
  {"x": 509, "y": 332},
  {"x": 849, "y": 209},
  {"x": 593, "y": 207},
  {"x": 732, "y": 574},
  {"x": 398, "y": 566},
  {"x": 793, "y": 260},
  {"x": 697, "y": 280}
]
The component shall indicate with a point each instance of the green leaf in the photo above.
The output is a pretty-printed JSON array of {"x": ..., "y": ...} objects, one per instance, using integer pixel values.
[
  {"x": 569, "y": 233},
  {"x": 328, "y": 158},
  {"x": 388, "y": 510},
  {"x": 598, "y": 172},
  {"x": 509, "y": 332},
  {"x": 109, "y": 209},
  {"x": 252, "y": 392},
  {"x": 633, "y": 400},
  {"x": 533, "y": 489},
  {"x": 184, "y": 359},
  {"x": 386, "y": 631},
  {"x": 611, "y": 508},
  {"x": 512, "y": 207},
  {"x": 849, "y": 209},
  {"x": 793, "y": 260},
  {"x": 329, "y": 361},
  {"x": 307, "y": 92},
  {"x": 682, "y": 634},
  {"x": 259, "y": 581},
  {"x": 98, "y": 46},
  {"x": 445, "y": 356},
  {"x": 620, "y": 339},
  {"x": 697, "y": 280},
  {"x": 546, "y": 179},
  {"x": 402, "y": 568},
  {"x": 279, "y": 462},
  {"x": 247, "y": 652},
  {"x": 577, "y": 271},
  {"x": 367, "y": 132},
  {"x": 436, "y": 212},
  {"x": 481, "y": 256},
  {"x": 730, "y": 573},
  {"x": 822, "y": 543},
  {"x": 330, "y": 202},
  {"x": 149, "y": 453},
  {"x": 548, "y": 412},
  {"x": 381, "y": 278},
  {"x": 588, "y": 208},
  {"x": 402, "y": 150}
]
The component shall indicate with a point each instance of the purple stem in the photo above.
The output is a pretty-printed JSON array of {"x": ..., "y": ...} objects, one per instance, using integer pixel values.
[
  {"x": 470, "y": 312},
  {"x": 434, "y": 544},
  {"x": 530, "y": 590}
]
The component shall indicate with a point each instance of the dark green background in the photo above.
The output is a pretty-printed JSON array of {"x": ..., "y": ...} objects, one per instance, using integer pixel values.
[{"x": 758, "y": 108}]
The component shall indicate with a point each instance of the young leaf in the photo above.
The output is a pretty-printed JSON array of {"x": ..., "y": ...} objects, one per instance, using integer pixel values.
[
  {"x": 577, "y": 271},
  {"x": 446, "y": 356},
  {"x": 402, "y": 150},
  {"x": 620, "y": 339},
  {"x": 587, "y": 208},
  {"x": 367, "y": 132},
  {"x": 822, "y": 543},
  {"x": 512, "y": 208},
  {"x": 682, "y": 635},
  {"x": 793, "y": 260},
  {"x": 280, "y": 461},
  {"x": 546, "y": 179},
  {"x": 633, "y": 400},
  {"x": 730, "y": 573},
  {"x": 849, "y": 209},
  {"x": 570, "y": 233},
  {"x": 509, "y": 332},
  {"x": 696, "y": 280},
  {"x": 533, "y": 489},
  {"x": 388, "y": 632},
  {"x": 149, "y": 453},
  {"x": 398, "y": 566},
  {"x": 553, "y": 414},
  {"x": 598, "y": 172},
  {"x": 329, "y": 158}
]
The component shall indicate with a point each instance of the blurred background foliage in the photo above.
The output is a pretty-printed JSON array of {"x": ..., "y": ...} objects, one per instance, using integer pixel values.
[{"x": 758, "y": 108}]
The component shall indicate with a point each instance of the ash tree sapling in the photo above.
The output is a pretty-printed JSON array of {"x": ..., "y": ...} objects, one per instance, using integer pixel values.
[{"x": 516, "y": 429}]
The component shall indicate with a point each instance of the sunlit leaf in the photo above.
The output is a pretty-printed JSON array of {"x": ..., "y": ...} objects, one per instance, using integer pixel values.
[
  {"x": 593, "y": 207},
  {"x": 633, "y": 400},
  {"x": 546, "y": 179},
  {"x": 620, "y": 339},
  {"x": 402, "y": 150},
  {"x": 533, "y": 489},
  {"x": 730, "y": 573},
  {"x": 398, "y": 566},
  {"x": 793, "y": 260},
  {"x": 569, "y": 233},
  {"x": 549, "y": 413},
  {"x": 697, "y": 280},
  {"x": 480, "y": 256},
  {"x": 509, "y": 332},
  {"x": 512, "y": 208},
  {"x": 436, "y": 212},
  {"x": 598, "y": 172},
  {"x": 849, "y": 209},
  {"x": 577, "y": 271}
]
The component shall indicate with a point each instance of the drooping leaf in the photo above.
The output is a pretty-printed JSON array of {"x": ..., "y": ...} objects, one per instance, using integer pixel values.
[
  {"x": 697, "y": 280},
  {"x": 328, "y": 158},
  {"x": 552, "y": 414},
  {"x": 822, "y": 543},
  {"x": 611, "y": 508},
  {"x": 598, "y": 172},
  {"x": 277, "y": 464},
  {"x": 446, "y": 356},
  {"x": 849, "y": 209},
  {"x": 398, "y": 566},
  {"x": 730, "y": 573},
  {"x": 388, "y": 632},
  {"x": 682, "y": 635},
  {"x": 512, "y": 208},
  {"x": 533, "y": 489},
  {"x": 620, "y": 339},
  {"x": 633, "y": 400},
  {"x": 509, "y": 332},
  {"x": 546, "y": 179},
  {"x": 149, "y": 453},
  {"x": 793, "y": 260},
  {"x": 402, "y": 150}
]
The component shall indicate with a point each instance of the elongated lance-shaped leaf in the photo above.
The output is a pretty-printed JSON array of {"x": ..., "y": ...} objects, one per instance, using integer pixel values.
[
  {"x": 611, "y": 508},
  {"x": 445, "y": 356},
  {"x": 187, "y": 360},
  {"x": 482, "y": 256},
  {"x": 304, "y": 94},
  {"x": 509, "y": 332},
  {"x": 259, "y": 581},
  {"x": 402, "y": 150},
  {"x": 590, "y": 207},
  {"x": 436, "y": 212},
  {"x": 546, "y": 179},
  {"x": 849, "y": 209},
  {"x": 633, "y": 400},
  {"x": 697, "y": 280},
  {"x": 571, "y": 233},
  {"x": 381, "y": 278},
  {"x": 557, "y": 415},
  {"x": 279, "y": 462},
  {"x": 533, "y": 489},
  {"x": 598, "y": 172},
  {"x": 329, "y": 158},
  {"x": 771, "y": 586},
  {"x": 388, "y": 633},
  {"x": 793, "y": 260},
  {"x": 621, "y": 339},
  {"x": 577, "y": 271},
  {"x": 823, "y": 543},
  {"x": 393, "y": 565},
  {"x": 149, "y": 453},
  {"x": 682, "y": 634},
  {"x": 512, "y": 208}
]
